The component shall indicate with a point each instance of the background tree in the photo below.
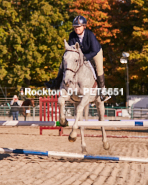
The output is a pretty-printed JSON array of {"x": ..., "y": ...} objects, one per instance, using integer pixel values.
[
  {"x": 32, "y": 34},
  {"x": 119, "y": 26},
  {"x": 32, "y": 37}
]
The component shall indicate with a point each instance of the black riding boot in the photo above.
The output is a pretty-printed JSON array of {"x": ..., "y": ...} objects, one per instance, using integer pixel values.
[
  {"x": 55, "y": 83},
  {"x": 101, "y": 84}
]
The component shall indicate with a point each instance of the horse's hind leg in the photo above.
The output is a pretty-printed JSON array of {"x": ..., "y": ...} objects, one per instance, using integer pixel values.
[
  {"x": 101, "y": 111},
  {"x": 106, "y": 145},
  {"x": 86, "y": 112},
  {"x": 83, "y": 144},
  {"x": 80, "y": 107}
]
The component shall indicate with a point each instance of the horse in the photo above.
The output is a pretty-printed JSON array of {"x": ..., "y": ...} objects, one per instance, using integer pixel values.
[
  {"x": 25, "y": 106},
  {"x": 78, "y": 76}
]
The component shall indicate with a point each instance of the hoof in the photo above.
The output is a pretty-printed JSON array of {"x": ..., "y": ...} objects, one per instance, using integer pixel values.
[
  {"x": 64, "y": 123},
  {"x": 84, "y": 151},
  {"x": 106, "y": 145},
  {"x": 72, "y": 139}
]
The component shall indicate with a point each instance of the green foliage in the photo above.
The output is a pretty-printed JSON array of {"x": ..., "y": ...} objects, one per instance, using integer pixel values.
[
  {"x": 31, "y": 40},
  {"x": 32, "y": 34}
]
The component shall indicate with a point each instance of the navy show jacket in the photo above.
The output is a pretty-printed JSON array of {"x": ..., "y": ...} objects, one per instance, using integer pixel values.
[{"x": 89, "y": 46}]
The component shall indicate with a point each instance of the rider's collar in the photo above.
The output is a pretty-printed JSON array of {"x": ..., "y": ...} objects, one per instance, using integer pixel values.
[{"x": 82, "y": 35}]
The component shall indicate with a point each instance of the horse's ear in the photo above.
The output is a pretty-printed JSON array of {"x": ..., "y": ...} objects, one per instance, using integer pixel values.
[
  {"x": 66, "y": 44},
  {"x": 77, "y": 45}
]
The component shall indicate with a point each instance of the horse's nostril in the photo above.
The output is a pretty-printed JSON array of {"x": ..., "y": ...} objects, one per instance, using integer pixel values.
[{"x": 65, "y": 82}]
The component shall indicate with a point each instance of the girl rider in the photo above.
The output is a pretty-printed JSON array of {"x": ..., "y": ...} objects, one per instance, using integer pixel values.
[{"x": 91, "y": 49}]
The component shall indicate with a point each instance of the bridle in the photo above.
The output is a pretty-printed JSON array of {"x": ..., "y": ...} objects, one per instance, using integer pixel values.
[{"x": 78, "y": 62}]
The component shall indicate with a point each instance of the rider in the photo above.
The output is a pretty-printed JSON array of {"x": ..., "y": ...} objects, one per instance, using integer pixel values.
[
  {"x": 91, "y": 49},
  {"x": 21, "y": 95}
]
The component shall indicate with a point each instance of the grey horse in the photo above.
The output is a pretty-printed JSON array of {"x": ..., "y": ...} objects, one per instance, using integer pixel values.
[{"x": 78, "y": 76}]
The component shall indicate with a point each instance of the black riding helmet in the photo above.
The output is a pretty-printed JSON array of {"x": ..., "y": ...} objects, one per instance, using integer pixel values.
[{"x": 79, "y": 21}]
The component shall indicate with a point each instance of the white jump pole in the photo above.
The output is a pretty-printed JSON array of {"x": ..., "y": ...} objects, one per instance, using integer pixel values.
[
  {"x": 110, "y": 123},
  {"x": 27, "y": 123},
  {"x": 72, "y": 155},
  {"x": 122, "y": 123}
]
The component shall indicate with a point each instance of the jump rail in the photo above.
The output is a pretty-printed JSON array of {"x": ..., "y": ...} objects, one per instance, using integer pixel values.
[
  {"x": 122, "y": 123},
  {"x": 109, "y": 136},
  {"x": 71, "y": 155},
  {"x": 55, "y": 125},
  {"x": 27, "y": 123}
]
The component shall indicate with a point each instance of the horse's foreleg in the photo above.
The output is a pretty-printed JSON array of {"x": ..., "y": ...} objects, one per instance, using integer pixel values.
[
  {"x": 101, "y": 111},
  {"x": 80, "y": 107},
  {"x": 61, "y": 101}
]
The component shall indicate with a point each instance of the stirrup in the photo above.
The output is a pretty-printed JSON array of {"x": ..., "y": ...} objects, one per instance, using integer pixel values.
[{"x": 104, "y": 97}]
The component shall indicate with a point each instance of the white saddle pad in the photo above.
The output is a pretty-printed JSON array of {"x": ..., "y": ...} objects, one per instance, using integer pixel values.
[{"x": 92, "y": 69}]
